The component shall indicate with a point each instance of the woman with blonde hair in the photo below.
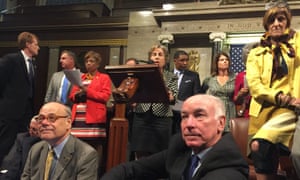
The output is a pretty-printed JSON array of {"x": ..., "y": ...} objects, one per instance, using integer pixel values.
[{"x": 152, "y": 122}]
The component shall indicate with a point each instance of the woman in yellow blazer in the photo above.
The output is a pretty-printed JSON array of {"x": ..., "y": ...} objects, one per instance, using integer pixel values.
[{"x": 273, "y": 78}]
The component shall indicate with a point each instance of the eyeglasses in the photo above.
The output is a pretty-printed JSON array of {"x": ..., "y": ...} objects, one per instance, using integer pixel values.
[{"x": 50, "y": 118}]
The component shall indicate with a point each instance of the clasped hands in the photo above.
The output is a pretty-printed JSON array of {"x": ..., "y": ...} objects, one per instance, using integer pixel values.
[{"x": 286, "y": 100}]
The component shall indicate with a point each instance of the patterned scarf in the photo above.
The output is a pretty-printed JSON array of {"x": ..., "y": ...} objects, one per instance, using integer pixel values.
[{"x": 280, "y": 46}]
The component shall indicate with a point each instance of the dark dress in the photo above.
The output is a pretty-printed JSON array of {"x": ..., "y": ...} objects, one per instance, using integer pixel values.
[{"x": 152, "y": 122}]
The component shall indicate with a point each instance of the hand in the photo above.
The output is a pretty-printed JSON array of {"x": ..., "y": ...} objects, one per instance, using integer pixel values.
[
  {"x": 283, "y": 100},
  {"x": 295, "y": 102},
  {"x": 171, "y": 97},
  {"x": 243, "y": 91},
  {"x": 83, "y": 88}
]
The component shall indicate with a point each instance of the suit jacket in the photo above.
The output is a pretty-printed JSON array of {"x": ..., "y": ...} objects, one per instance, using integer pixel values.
[
  {"x": 98, "y": 93},
  {"x": 15, "y": 89},
  {"x": 54, "y": 86},
  {"x": 189, "y": 85},
  {"x": 78, "y": 160},
  {"x": 223, "y": 162},
  {"x": 14, "y": 162}
]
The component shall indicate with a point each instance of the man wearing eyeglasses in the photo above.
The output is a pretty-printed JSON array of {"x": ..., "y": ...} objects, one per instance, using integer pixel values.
[{"x": 71, "y": 158}]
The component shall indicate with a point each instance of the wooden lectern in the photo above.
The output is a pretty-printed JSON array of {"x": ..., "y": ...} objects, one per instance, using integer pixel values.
[{"x": 140, "y": 84}]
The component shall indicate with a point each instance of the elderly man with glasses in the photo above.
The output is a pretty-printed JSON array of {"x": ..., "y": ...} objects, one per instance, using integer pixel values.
[{"x": 60, "y": 155}]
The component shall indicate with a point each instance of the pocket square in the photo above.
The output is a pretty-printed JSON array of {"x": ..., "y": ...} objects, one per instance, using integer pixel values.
[{"x": 187, "y": 81}]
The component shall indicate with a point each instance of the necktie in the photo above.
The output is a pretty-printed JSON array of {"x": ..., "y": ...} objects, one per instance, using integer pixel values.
[
  {"x": 31, "y": 70},
  {"x": 193, "y": 165},
  {"x": 48, "y": 164},
  {"x": 64, "y": 91},
  {"x": 178, "y": 74},
  {"x": 30, "y": 76}
]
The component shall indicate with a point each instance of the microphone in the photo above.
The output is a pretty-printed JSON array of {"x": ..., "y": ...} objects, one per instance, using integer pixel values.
[{"x": 146, "y": 62}]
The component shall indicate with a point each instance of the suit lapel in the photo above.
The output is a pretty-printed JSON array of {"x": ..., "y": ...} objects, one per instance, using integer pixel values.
[
  {"x": 181, "y": 163},
  {"x": 23, "y": 65},
  {"x": 42, "y": 162},
  {"x": 65, "y": 157}
]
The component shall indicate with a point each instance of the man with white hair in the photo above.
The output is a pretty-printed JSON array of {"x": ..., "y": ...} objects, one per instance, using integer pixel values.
[{"x": 202, "y": 151}]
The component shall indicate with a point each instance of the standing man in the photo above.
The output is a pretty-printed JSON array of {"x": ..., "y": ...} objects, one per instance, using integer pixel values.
[
  {"x": 60, "y": 155},
  {"x": 188, "y": 85},
  {"x": 17, "y": 90},
  {"x": 59, "y": 86}
]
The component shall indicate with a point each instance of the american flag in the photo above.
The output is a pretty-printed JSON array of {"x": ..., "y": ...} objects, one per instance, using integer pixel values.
[{"x": 237, "y": 64}]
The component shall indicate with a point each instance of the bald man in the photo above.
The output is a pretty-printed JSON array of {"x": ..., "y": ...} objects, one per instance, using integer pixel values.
[{"x": 73, "y": 159}]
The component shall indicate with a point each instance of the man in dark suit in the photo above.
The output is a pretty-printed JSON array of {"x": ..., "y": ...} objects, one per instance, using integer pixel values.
[
  {"x": 56, "y": 91},
  {"x": 17, "y": 90},
  {"x": 201, "y": 151},
  {"x": 60, "y": 155},
  {"x": 188, "y": 85},
  {"x": 13, "y": 164}
]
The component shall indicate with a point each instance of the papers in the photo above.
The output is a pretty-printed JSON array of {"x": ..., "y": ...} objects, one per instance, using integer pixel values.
[{"x": 74, "y": 76}]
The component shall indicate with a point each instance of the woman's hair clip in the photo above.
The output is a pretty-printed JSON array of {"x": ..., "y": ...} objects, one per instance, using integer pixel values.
[{"x": 276, "y": 3}]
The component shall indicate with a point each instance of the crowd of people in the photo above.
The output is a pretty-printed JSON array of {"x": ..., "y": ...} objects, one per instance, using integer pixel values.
[{"x": 184, "y": 138}]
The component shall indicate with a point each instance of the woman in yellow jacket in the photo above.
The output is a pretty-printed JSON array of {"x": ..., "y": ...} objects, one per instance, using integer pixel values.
[{"x": 273, "y": 78}]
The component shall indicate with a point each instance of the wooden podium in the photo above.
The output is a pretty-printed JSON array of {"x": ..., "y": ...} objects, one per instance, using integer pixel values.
[{"x": 140, "y": 84}]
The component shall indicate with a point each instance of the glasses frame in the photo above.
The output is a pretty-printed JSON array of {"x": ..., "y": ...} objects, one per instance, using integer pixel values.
[{"x": 55, "y": 117}]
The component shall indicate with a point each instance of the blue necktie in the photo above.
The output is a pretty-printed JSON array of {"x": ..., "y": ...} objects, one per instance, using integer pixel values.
[
  {"x": 64, "y": 91},
  {"x": 193, "y": 166}
]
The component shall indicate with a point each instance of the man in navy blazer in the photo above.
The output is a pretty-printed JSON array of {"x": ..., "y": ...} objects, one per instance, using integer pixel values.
[
  {"x": 17, "y": 91},
  {"x": 188, "y": 85},
  {"x": 202, "y": 136},
  {"x": 55, "y": 87}
]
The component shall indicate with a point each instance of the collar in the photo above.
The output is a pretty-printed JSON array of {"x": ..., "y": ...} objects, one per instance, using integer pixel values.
[
  {"x": 58, "y": 149},
  {"x": 178, "y": 71},
  {"x": 25, "y": 56},
  {"x": 201, "y": 155}
]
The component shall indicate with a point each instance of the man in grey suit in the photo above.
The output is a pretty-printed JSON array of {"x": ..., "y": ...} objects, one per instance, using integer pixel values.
[
  {"x": 188, "y": 85},
  {"x": 55, "y": 92},
  {"x": 71, "y": 158}
]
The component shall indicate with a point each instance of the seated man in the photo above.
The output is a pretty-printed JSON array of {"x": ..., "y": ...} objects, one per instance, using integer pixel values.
[
  {"x": 202, "y": 151},
  {"x": 60, "y": 155},
  {"x": 13, "y": 164}
]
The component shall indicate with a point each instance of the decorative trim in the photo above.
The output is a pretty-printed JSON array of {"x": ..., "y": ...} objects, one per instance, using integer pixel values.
[{"x": 56, "y": 43}]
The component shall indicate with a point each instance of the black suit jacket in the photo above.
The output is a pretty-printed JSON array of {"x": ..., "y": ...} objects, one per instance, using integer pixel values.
[
  {"x": 14, "y": 162},
  {"x": 189, "y": 86},
  {"x": 223, "y": 162},
  {"x": 15, "y": 98}
]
